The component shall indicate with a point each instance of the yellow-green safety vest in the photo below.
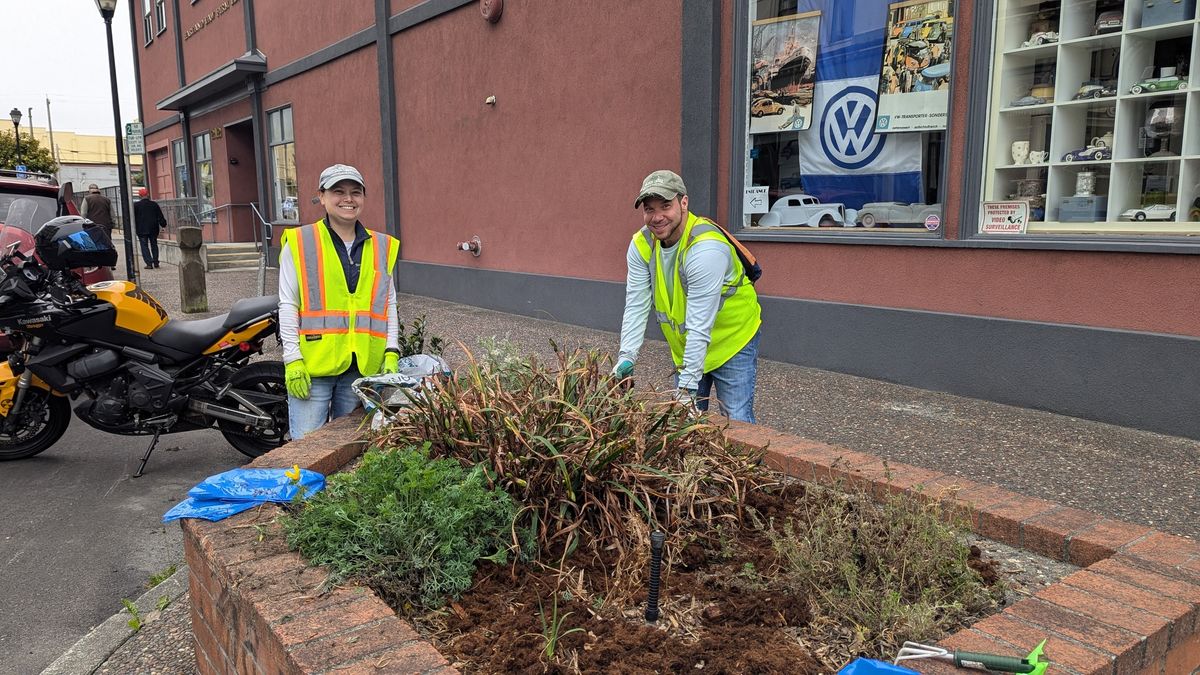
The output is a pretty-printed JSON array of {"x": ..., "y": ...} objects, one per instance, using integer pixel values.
[
  {"x": 738, "y": 316},
  {"x": 335, "y": 324}
]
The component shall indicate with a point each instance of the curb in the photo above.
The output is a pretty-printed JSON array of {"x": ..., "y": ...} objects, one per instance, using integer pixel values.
[{"x": 93, "y": 649}]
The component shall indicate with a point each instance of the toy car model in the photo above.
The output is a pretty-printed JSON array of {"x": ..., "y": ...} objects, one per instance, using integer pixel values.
[
  {"x": 1107, "y": 22},
  {"x": 1168, "y": 83},
  {"x": 1095, "y": 89},
  {"x": 765, "y": 106},
  {"x": 875, "y": 214},
  {"x": 807, "y": 211},
  {"x": 1151, "y": 212},
  {"x": 1028, "y": 100},
  {"x": 1090, "y": 153},
  {"x": 1040, "y": 38}
]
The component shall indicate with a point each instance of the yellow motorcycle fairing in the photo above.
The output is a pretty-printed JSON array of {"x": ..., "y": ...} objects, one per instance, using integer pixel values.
[
  {"x": 8, "y": 387},
  {"x": 236, "y": 337},
  {"x": 137, "y": 311}
]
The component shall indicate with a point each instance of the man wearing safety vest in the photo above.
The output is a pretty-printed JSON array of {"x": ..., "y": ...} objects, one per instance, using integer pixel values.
[
  {"x": 337, "y": 304},
  {"x": 683, "y": 266}
]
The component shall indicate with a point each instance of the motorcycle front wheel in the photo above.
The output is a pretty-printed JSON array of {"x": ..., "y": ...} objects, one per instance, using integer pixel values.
[
  {"x": 266, "y": 379},
  {"x": 42, "y": 420}
]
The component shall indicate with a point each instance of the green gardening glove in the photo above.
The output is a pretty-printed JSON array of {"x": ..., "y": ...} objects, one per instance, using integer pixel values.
[
  {"x": 391, "y": 363},
  {"x": 297, "y": 378},
  {"x": 623, "y": 369}
]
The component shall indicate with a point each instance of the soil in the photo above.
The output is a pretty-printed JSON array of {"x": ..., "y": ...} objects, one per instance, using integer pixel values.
[{"x": 724, "y": 610}]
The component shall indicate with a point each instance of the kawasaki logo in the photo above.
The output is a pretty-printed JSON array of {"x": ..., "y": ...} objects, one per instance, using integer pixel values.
[
  {"x": 32, "y": 320},
  {"x": 848, "y": 128}
]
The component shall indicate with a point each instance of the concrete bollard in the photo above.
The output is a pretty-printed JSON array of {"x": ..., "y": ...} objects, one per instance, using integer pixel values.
[{"x": 193, "y": 293}]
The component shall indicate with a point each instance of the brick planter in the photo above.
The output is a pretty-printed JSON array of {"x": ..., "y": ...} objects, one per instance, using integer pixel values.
[{"x": 257, "y": 608}]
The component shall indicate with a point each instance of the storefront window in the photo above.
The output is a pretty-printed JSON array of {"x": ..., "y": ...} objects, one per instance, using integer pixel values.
[
  {"x": 1091, "y": 127},
  {"x": 283, "y": 165},
  {"x": 204, "y": 176},
  {"x": 179, "y": 157},
  {"x": 847, "y": 114}
]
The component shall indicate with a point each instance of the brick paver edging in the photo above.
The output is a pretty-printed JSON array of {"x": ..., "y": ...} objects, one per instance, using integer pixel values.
[{"x": 257, "y": 608}]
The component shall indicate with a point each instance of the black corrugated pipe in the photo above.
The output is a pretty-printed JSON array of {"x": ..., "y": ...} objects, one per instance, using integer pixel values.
[{"x": 657, "y": 539}]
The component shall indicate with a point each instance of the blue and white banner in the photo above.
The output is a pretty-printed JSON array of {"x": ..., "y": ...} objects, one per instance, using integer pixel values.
[{"x": 841, "y": 157}]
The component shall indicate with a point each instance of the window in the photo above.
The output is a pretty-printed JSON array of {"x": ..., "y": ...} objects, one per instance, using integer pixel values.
[
  {"x": 846, "y": 115},
  {"x": 1092, "y": 119},
  {"x": 160, "y": 14},
  {"x": 147, "y": 25},
  {"x": 204, "y": 177},
  {"x": 282, "y": 144},
  {"x": 179, "y": 155}
]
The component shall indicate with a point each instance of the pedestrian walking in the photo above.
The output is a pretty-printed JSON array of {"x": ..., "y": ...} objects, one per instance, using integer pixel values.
[
  {"x": 337, "y": 320},
  {"x": 684, "y": 267},
  {"x": 98, "y": 209},
  {"x": 148, "y": 219}
]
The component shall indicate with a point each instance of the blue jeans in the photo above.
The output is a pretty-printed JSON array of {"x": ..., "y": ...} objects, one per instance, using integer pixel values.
[
  {"x": 735, "y": 381},
  {"x": 328, "y": 398}
]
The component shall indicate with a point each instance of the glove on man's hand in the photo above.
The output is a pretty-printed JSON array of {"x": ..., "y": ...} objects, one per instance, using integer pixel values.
[
  {"x": 297, "y": 378},
  {"x": 391, "y": 363},
  {"x": 688, "y": 398},
  {"x": 623, "y": 369}
]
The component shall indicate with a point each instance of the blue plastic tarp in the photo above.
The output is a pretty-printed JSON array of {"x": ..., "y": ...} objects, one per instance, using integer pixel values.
[
  {"x": 872, "y": 667},
  {"x": 231, "y": 492}
]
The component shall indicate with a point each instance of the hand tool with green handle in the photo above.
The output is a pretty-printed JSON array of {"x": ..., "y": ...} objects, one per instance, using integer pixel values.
[{"x": 1034, "y": 663}]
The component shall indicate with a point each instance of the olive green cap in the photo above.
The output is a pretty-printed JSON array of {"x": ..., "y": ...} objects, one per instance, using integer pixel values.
[{"x": 661, "y": 183}]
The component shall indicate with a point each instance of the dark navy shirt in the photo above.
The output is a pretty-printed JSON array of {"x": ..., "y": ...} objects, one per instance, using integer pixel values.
[{"x": 352, "y": 262}]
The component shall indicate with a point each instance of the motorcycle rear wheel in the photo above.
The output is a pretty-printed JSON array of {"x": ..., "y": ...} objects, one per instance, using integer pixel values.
[
  {"x": 43, "y": 420},
  {"x": 265, "y": 377}
]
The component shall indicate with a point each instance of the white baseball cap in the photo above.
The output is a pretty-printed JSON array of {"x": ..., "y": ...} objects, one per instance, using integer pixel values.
[{"x": 339, "y": 172}]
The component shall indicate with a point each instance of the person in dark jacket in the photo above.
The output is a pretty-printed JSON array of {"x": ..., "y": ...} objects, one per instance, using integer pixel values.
[
  {"x": 147, "y": 219},
  {"x": 98, "y": 208}
]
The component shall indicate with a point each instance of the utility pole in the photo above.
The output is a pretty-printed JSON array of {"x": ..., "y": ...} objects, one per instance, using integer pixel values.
[{"x": 50, "y": 129}]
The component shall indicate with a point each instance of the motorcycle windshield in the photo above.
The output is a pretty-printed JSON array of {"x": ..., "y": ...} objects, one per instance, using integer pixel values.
[{"x": 18, "y": 224}]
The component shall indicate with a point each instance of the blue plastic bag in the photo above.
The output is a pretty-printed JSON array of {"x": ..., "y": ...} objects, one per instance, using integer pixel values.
[
  {"x": 231, "y": 492},
  {"x": 862, "y": 666}
]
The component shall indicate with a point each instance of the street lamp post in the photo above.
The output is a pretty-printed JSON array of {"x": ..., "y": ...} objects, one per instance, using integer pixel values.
[
  {"x": 15, "y": 116},
  {"x": 107, "y": 9}
]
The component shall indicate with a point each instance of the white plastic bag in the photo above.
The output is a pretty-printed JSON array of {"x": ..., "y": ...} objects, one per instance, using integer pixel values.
[{"x": 380, "y": 393}]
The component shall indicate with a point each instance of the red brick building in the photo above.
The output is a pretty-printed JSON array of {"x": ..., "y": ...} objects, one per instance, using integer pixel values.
[{"x": 534, "y": 130}]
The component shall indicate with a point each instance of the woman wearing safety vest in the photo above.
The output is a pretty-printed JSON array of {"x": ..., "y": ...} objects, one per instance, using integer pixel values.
[
  {"x": 684, "y": 267},
  {"x": 337, "y": 304}
]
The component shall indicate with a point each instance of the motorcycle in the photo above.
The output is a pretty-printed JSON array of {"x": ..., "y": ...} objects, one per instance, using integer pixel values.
[{"x": 109, "y": 352}]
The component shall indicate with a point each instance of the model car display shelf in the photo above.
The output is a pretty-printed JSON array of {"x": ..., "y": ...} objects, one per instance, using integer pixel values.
[{"x": 1067, "y": 106}]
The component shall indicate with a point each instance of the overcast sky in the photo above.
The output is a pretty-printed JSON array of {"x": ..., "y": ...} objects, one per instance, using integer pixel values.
[{"x": 56, "y": 49}]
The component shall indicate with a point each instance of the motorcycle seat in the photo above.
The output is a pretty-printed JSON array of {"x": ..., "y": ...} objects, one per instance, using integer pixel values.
[
  {"x": 248, "y": 309},
  {"x": 193, "y": 337}
]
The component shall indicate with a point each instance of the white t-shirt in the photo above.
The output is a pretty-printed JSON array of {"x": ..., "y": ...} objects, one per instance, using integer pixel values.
[{"x": 289, "y": 306}]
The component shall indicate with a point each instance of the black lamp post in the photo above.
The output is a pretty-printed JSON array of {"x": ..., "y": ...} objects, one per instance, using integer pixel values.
[
  {"x": 15, "y": 116},
  {"x": 107, "y": 9}
]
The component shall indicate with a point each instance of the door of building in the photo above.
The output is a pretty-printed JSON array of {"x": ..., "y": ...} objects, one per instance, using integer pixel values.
[{"x": 243, "y": 180}]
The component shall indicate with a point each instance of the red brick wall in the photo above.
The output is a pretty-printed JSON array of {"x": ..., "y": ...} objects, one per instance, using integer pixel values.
[
  {"x": 289, "y": 30},
  {"x": 218, "y": 42},
  {"x": 547, "y": 176}
]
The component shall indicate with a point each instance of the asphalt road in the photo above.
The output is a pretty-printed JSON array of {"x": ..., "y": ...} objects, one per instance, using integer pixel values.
[{"x": 78, "y": 533}]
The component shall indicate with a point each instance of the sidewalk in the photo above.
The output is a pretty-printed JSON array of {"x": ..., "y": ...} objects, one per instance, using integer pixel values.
[{"x": 1122, "y": 473}]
